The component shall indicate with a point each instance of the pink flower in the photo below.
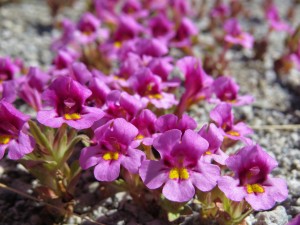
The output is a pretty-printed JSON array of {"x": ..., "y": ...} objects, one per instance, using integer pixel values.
[
  {"x": 67, "y": 99},
  {"x": 149, "y": 86},
  {"x": 212, "y": 134},
  {"x": 179, "y": 168},
  {"x": 170, "y": 121},
  {"x": 275, "y": 21},
  {"x": 235, "y": 35},
  {"x": 115, "y": 147},
  {"x": 222, "y": 115},
  {"x": 226, "y": 90},
  {"x": 197, "y": 83},
  {"x": 32, "y": 86},
  {"x": 12, "y": 132},
  {"x": 252, "y": 181}
]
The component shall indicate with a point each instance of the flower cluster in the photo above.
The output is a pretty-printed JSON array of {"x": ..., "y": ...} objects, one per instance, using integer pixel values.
[{"x": 115, "y": 79}]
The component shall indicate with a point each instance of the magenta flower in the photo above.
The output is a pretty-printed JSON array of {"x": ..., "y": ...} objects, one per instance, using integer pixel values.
[
  {"x": 99, "y": 92},
  {"x": 67, "y": 36},
  {"x": 222, "y": 115},
  {"x": 88, "y": 29},
  {"x": 115, "y": 147},
  {"x": 275, "y": 21},
  {"x": 161, "y": 27},
  {"x": 185, "y": 31},
  {"x": 252, "y": 181},
  {"x": 150, "y": 47},
  {"x": 235, "y": 35},
  {"x": 220, "y": 11},
  {"x": 162, "y": 67},
  {"x": 9, "y": 91},
  {"x": 135, "y": 8},
  {"x": 122, "y": 104},
  {"x": 62, "y": 61},
  {"x": 67, "y": 99},
  {"x": 127, "y": 29},
  {"x": 33, "y": 85},
  {"x": 226, "y": 90},
  {"x": 12, "y": 132},
  {"x": 197, "y": 82},
  {"x": 181, "y": 7},
  {"x": 171, "y": 121},
  {"x": 294, "y": 221},
  {"x": 145, "y": 122},
  {"x": 179, "y": 168},
  {"x": 8, "y": 70},
  {"x": 149, "y": 86},
  {"x": 214, "y": 137}
]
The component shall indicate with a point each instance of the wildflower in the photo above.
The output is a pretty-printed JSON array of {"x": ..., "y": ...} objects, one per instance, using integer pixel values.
[
  {"x": 145, "y": 122},
  {"x": 32, "y": 86},
  {"x": 252, "y": 181},
  {"x": 275, "y": 21},
  {"x": 212, "y": 134},
  {"x": 13, "y": 133},
  {"x": 171, "y": 121},
  {"x": 114, "y": 148},
  {"x": 88, "y": 29},
  {"x": 226, "y": 90},
  {"x": 184, "y": 32},
  {"x": 223, "y": 117},
  {"x": 149, "y": 86},
  {"x": 161, "y": 27},
  {"x": 235, "y": 35},
  {"x": 179, "y": 168},
  {"x": 67, "y": 98},
  {"x": 122, "y": 104},
  {"x": 197, "y": 82},
  {"x": 67, "y": 36}
]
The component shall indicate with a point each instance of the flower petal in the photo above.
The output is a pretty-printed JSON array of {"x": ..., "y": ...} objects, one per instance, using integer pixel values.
[
  {"x": 205, "y": 176},
  {"x": 230, "y": 187},
  {"x": 107, "y": 170},
  {"x": 90, "y": 156},
  {"x": 153, "y": 173},
  {"x": 165, "y": 142},
  {"x": 132, "y": 160},
  {"x": 179, "y": 191}
]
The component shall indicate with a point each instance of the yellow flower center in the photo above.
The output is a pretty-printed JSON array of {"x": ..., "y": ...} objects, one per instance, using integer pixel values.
[
  {"x": 207, "y": 153},
  {"x": 254, "y": 188},
  {"x": 179, "y": 173},
  {"x": 233, "y": 133},
  {"x": 139, "y": 137},
  {"x": 111, "y": 156},
  {"x": 155, "y": 96},
  {"x": 117, "y": 44},
  {"x": 72, "y": 116},
  {"x": 4, "y": 139}
]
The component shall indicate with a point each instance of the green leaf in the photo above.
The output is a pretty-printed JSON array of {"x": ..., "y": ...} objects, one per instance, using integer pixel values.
[
  {"x": 173, "y": 216},
  {"x": 39, "y": 137}
]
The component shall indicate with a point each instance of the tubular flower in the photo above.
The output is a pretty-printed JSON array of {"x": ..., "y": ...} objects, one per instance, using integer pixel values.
[
  {"x": 179, "y": 168},
  {"x": 226, "y": 90},
  {"x": 115, "y": 147},
  {"x": 234, "y": 34},
  {"x": 214, "y": 137},
  {"x": 252, "y": 181},
  {"x": 222, "y": 115},
  {"x": 12, "y": 135},
  {"x": 276, "y": 23},
  {"x": 149, "y": 86},
  {"x": 197, "y": 82},
  {"x": 171, "y": 121},
  {"x": 67, "y": 99}
]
